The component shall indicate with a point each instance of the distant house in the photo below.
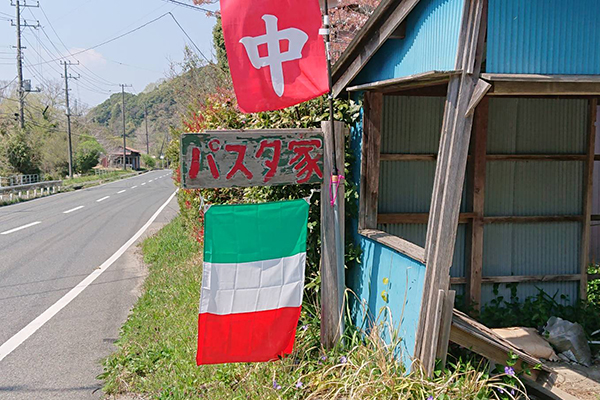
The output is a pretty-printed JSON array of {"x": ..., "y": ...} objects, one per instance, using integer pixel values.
[{"x": 115, "y": 158}]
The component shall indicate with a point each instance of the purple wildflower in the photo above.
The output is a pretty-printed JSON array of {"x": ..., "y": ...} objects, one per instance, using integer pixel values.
[
  {"x": 500, "y": 390},
  {"x": 304, "y": 327},
  {"x": 299, "y": 384},
  {"x": 343, "y": 360},
  {"x": 509, "y": 371},
  {"x": 323, "y": 358},
  {"x": 429, "y": 397},
  {"x": 276, "y": 385},
  {"x": 512, "y": 392}
]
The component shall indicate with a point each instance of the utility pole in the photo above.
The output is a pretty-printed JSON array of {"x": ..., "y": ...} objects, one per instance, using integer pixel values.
[
  {"x": 67, "y": 76},
  {"x": 146, "y": 118},
  {"x": 123, "y": 86},
  {"x": 21, "y": 88}
]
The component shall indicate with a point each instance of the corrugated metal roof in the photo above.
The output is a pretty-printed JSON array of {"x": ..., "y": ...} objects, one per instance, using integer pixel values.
[
  {"x": 543, "y": 36},
  {"x": 431, "y": 43},
  {"x": 537, "y": 126}
]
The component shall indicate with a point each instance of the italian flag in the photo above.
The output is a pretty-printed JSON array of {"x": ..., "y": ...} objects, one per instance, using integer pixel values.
[{"x": 252, "y": 282}]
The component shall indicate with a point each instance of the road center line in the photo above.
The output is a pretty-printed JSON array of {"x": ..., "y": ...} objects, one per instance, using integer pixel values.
[
  {"x": 21, "y": 227},
  {"x": 102, "y": 199},
  {"x": 122, "y": 191},
  {"x": 143, "y": 183},
  {"x": 11, "y": 344},
  {"x": 73, "y": 209},
  {"x": 133, "y": 187}
]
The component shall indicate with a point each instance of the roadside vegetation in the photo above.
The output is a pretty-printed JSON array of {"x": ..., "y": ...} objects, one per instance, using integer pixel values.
[
  {"x": 156, "y": 351},
  {"x": 109, "y": 176}
]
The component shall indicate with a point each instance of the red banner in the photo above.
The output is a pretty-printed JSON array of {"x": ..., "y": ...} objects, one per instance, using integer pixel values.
[{"x": 276, "y": 55}]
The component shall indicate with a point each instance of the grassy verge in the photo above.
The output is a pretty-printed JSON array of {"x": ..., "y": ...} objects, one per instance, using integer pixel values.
[
  {"x": 156, "y": 350},
  {"x": 111, "y": 176}
]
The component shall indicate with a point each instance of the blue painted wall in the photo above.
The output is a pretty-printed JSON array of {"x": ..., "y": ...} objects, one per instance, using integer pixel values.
[
  {"x": 543, "y": 36},
  {"x": 431, "y": 43},
  {"x": 399, "y": 315}
]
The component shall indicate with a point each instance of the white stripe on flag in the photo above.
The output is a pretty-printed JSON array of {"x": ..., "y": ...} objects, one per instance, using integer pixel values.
[{"x": 252, "y": 286}]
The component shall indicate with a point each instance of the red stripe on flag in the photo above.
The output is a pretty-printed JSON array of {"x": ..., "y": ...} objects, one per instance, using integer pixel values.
[{"x": 247, "y": 337}]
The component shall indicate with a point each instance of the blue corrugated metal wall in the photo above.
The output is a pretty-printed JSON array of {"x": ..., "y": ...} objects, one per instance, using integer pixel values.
[
  {"x": 400, "y": 313},
  {"x": 543, "y": 36},
  {"x": 431, "y": 43}
]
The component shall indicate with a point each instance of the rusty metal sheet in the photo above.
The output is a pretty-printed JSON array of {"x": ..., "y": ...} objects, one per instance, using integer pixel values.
[{"x": 224, "y": 159}]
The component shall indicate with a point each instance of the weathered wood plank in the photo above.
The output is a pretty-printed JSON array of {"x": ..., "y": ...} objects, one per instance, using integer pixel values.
[
  {"x": 400, "y": 245},
  {"x": 332, "y": 275},
  {"x": 475, "y": 269},
  {"x": 540, "y": 78},
  {"x": 224, "y": 159},
  {"x": 532, "y": 219},
  {"x": 407, "y": 157},
  {"x": 588, "y": 186},
  {"x": 430, "y": 350},
  {"x": 481, "y": 90},
  {"x": 369, "y": 176},
  {"x": 521, "y": 278},
  {"x": 416, "y": 218},
  {"x": 536, "y": 157},
  {"x": 501, "y": 88},
  {"x": 389, "y": 26},
  {"x": 445, "y": 327},
  {"x": 450, "y": 171},
  {"x": 429, "y": 78}
]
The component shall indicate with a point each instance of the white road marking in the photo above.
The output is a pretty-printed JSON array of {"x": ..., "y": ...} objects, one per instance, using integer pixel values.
[
  {"x": 133, "y": 187},
  {"x": 143, "y": 183},
  {"x": 11, "y": 344},
  {"x": 122, "y": 191},
  {"x": 21, "y": 227},
  {"x": 73, "y": 209},
  {"x": 102, "y": 199}
]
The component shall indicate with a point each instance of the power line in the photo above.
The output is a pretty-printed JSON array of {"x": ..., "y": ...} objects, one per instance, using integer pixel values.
[{"x": 191, "y": 6}]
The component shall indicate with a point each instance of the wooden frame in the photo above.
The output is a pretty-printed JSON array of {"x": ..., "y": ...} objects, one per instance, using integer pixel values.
[
  {"x": 371, "y": 150},
  {"x": 588, "y": 184},
  {"x": 425, "y": 79},
  {"x": 543, "y": 85}
]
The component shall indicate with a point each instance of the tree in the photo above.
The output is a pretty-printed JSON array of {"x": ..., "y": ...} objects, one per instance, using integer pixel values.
[
  {"x": 148, "y": 161},
  {"x": 21, "y": 154},
  {"x": 87, "y": 155}
]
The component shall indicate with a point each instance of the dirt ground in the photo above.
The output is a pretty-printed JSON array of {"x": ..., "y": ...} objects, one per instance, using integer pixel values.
[{"x": 577, "y": 380}]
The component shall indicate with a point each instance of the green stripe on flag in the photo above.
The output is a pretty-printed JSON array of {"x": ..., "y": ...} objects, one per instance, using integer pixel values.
[{"x": 255, "y": 232}]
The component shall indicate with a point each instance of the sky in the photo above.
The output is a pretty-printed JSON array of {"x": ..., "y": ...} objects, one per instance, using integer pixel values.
[{"x": 138, "y": 59}]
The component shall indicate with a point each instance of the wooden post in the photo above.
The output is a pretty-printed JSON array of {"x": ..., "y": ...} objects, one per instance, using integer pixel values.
[
  {"x": 445, "y": 327},
  {"x": 332, "y": 276},
  {"x": 369, "y": 171},
  {"x": 474, "y": 273},
  {"x": 588, "y": 184},
  {"x": 450, "y": 173}
]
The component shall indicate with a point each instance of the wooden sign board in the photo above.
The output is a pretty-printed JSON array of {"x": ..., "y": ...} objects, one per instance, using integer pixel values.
[{"x": 224, "y": 159}]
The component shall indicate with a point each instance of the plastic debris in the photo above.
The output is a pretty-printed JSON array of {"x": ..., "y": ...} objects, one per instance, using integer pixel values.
[{"x": 569, "y": 339}]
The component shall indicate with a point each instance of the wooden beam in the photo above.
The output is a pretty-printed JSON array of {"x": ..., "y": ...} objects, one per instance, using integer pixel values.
[
  {"x": 481, "y": 89},
  {"x": 501, "y": 88},
  {"x": 416, "y": 218},
  {"x": 405, "y": 247},
  {"x": 332, "y": 274},
  {"x": 389, "y": 26},
  {"x": 445, "y": 327},
  {"x": 407, "y": 157},
  {"x": 370, "y": 165},
  {"x": 450, "y": 170},
  {"x": 588, "y": 190},
  {"x": 532, "y": 219},
  {"x": 429, "y": 360},
  {"x": 540, "y": 78},
  {"x": 520, "y": 279},
  {"x": 424, "y": 79},
  {"x": 536, "y": 157},
  {"x": 475, "y": 268}
]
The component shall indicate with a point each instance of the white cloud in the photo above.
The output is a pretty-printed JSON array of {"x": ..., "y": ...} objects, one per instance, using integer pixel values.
[{"x": 90, "y": 58}]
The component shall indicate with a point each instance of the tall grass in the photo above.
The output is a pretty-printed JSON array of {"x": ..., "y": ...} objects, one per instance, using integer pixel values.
[{"x": 156, "y": 350}]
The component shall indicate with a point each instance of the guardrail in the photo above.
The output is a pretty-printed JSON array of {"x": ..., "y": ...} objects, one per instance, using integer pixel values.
[
  {"x": 19, "y": 180},
  {"x": 31, "y": 191}
]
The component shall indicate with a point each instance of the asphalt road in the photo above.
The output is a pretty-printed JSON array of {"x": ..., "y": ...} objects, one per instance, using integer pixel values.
[{"x": 50, "y": 246}]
